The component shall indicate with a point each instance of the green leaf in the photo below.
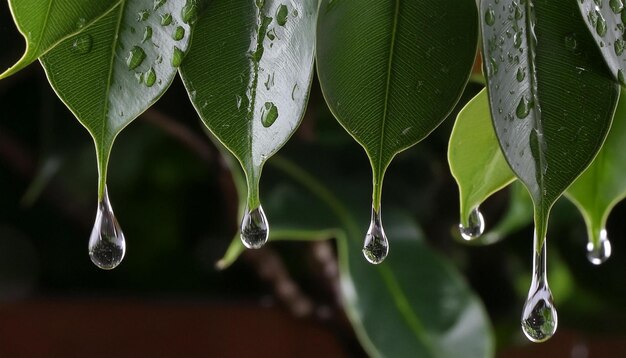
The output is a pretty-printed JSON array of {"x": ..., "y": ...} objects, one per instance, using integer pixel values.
[
  {"x": 602, "y": 185},
  {"x": 551, "y": 102},
  {"x": 475, "y": 159},
  {"x": 45, "y": 23},
  {"x": 119, "y": 66},
  {"x": 605, "y": 20},
  {"x": 249, "y": 76},
  {"x": 391, "y": 71},
  {"x": 518, "y": 214}
]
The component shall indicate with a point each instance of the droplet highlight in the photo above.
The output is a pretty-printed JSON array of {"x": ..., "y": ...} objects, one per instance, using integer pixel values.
[
  {"x": 375, "y": 245},
  {"x": 269, "y": 114},
  {"x": 598, "y": 254},
  {"x": 135, "y": 57},
  {"x": 475, "y": 226},
  {"x": 107, "y": 245},
  {"x": 254, "y": 228},
  {"x": 539, "y": 317},
  {"x": 82, "y": 44}
]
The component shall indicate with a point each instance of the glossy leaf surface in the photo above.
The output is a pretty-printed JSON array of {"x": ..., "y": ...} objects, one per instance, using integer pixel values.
[
  {"x": 249, "y": 76},
  {"x": 45, "y": 23},
  {"x": 391, "y": 71},
  {"x": 602, "y": 185},
  {"x": 119, "y": 66},
  {"x": 533, "y": 51},
  {"x": 606, "y": 20}
]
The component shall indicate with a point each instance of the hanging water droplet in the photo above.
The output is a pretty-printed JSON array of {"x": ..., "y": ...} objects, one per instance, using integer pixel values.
[
  {"x": 150, "y": 77},
  {"x": 147, "y": 34},
  {"x": 177, "y": 57},
  {"x": 106, "y": 243},
  {"x": 598, "y": 254},
  {"x": 539, "y": 317},
  {"x": 82, "y": 44},
  {"x": 178, "y": 34},
  {"x": 166, "y": 19},
  {"x": 189, "y": 13},
  {"x": 135, "y": 57},
  {"x": 475, "y": 226},
  {"x": 490, "y": 17},
  {"x": 269, "y": 114},
  {"x": 375, "y": 246},
  {"x": 254, "y": 228},
  {"x": 281, "y": 15}
]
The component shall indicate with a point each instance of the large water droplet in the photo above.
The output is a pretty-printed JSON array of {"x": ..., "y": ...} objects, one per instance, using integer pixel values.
[
  {"x": 539, "y": 317},
  {"x": 598, "y": 254},
  {"x": 490, "y": 17},
  {"x": 601, "y": 25},
  {"x": 178, "y": 34},
  {"x": 147, "y": 34},
  {"x": 106, "y": 243},
  {"x": 281, "y": 15},
  {"x": 616, "y": 5},
  {"x": 523, "y": 108},
  {"x": 375, "y": 246},
  {"x": 166, "y": 19},
  {"x": 269, "y": 114},
  {"x": 521, "y": 74},
  {"x": 150, "y": 77},
  {"x": 189, "y": 13},
  {"x": 177, "y": 57},
  {"x": 82, "y": 44},
  {"x": 135, "y": 57},
  {"x": 475, "y": 226},
  {"x": 254, "y": 228}
]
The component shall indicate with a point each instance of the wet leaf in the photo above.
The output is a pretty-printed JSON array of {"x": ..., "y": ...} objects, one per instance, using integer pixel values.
[
  {"x": 391, "y": 71},
  {"x": 548, "y": 136},
  {"x": 45, "y": 23},
  {"x": 117, "y": 67},
  {"x": 249, "y": 76},
  {"x": 602, "y": 185}
]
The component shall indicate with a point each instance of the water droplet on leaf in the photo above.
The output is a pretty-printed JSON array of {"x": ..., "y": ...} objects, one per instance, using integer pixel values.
[
  {"x": 82, "y": 44},
  {"x": 281, "y": 15},
  {"x": 375, "y": 246},
  {"x": 135, "y": 57},
  {"x": 189, "y": 13},
  {"x": 475, "y": 226},
  {"x": 178, "y": 34},
  {"x": 598, "y": 254},
  {"x": 158, "y": 3},
  {"x": 143, "y": 15},
  {"x": 490, "y": 17},
  {"x": 269, "y": 114},
  {"x": 147, "y": 34},
  {"x": 616, "y": 5},
  {"x": 520, "y": 74},
  {"x": 166, "y": 19},
  {"x": 601, "y": 25},
  {"x": 254, "y": 228},
  {"x": 150, "y": 77},
  {"x": 177, "y": 57},
  {"x": 523, "y": 108},
  {"x": 107, "y": 245}
]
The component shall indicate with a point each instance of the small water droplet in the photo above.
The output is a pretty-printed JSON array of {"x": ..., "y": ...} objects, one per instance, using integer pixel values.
[
  {"x": 166, "y": 19},
  {"x": 281, "y": 15},
  {"x": 107, "y": 245},
  {"x": 517, "y": 39},
  {"x": 616, "y": 5},
  {"x": 375, "y": 246},
  {"x": 150, "y": 77},
  {"x": 81, "y": 23},
  {"x": 490, "y": 17},
  {"x": 158, "y": 3},
  {"x": 254, "y": 228},
  {"x": 178, "y": 34},
  {"x": 143, "y": 15},
  {"x": 82, "y": 44},
  {"x": 189, "y": 13},
  {"x": 147, "y": 34},
  {"x": 269, "y": 114},
  {"x": 177, "y": 57},
  {"x": 523, "y": 108},
  {"x": 601, "y": 25},
  {"x": 136, "y": 55},
  {"x": 618, "y": 46},
  {"x": 539, "y": 317},
  {"x": 600, "y": 253},
  {"x": 475, "y": 226}
]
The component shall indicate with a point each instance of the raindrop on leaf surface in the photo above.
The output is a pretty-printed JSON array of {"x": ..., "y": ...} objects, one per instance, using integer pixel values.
[
  {"x": 269, "y": 114},
  {"x": 189, "y": 13},
  {"x": 150, "y": 77},
  {"x": 107, "y": 245},
  {"x": 178, "y": 34},
  {"x": 281, "y": 15},
  {"x": 166, "y": 19},
  {"x": 135, "y": 57},
  {"x": 375, "y": 245},
  {"x": 598, "y": 254},
  {"x": 177, "y": 57},
  {"x": 254, "y": 228},
  {"x": 143, "y": 15},
  {"x": 475, "y": 226},
  {"x": 490, "y": 17},
  {"x": 523, "y": 108},
  {"x": 158, "y": 3},
  {"x": 82, "y": 44},
  {"x": 147, "y": 34}
]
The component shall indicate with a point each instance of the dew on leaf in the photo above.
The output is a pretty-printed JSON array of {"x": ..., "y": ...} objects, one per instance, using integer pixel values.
[
  {"x": 177, "y": 57},
  {"x": 135, "y": 57},
  {"x": 600, "y": 252},
  {"x": 490, "y": 17},
  {"x": 269, "y": 114},
  {"x": 150, "y": 77},
  {"x": 147, "y": 34},
  {"x": 143, "y": 15},
  {"x": 189, "y": 13},
  {"x": 178, "y": 34},
  {"x": 281, "y": 15}
]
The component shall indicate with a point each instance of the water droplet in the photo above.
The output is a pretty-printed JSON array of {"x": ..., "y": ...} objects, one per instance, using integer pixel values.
[
  {"x": 189, "y": 13},
  {"x": 81, "y": 23},
  {"x": 178, "y": 34},
  {"x": 135, "y": 57},
  {"x": 158, "y": 3},
  {"x": 601, "y": 25},
  {"x": 269, "y": 114},
  {"x": 254, "y": 228},
  {"x": 106, "y": 243},
  {"x": 571, "y": 42},
  {"x": 177, "y": 57},
  {"x": 475, "y": 226},
  {"x": 490, "y": 17},
  {"x": 139, "y": 77},
  {"x": 281, "y": 15},
  {"x": 521, "y": 74},
  {"x": 82, "y": 44},
  {"x": 600, "y": 253},
  {"x": 523, "y": 108},
  {"x": 150, "y": 77},
  {"x": 616, "y": 5},
  {"x": 618, "y": 46},
  {"x": 375, "y": 246},
  {"x": 517, "y": 39},
  {"x": 147, "y": 34},
  {"x": 143, "y": 15},
  {"x": 539, "y": 317},
  {"x": 166, "y": 19}
]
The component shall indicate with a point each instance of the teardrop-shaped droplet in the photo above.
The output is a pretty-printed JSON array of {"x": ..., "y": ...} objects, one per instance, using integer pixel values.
[
  {"x": 281, "y": 15},
  {"x": 490, "y": 17},
  {"x": 106, "y": 243},
  {"x": 189, "y": 13},
  {"x": 254, "y": 228},
  {"x": 375, "y": 246},
  {"x": 269, "y": 114},
  {"x": 475, "y": 226},
  {"x": 598, "y": 254},
  {"x": 136, "y": 55},
  {"x": 539, "y": 317}
]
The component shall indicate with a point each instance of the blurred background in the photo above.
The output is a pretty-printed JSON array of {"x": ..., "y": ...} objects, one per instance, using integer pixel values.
[{"x": 175, "y": 199}]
